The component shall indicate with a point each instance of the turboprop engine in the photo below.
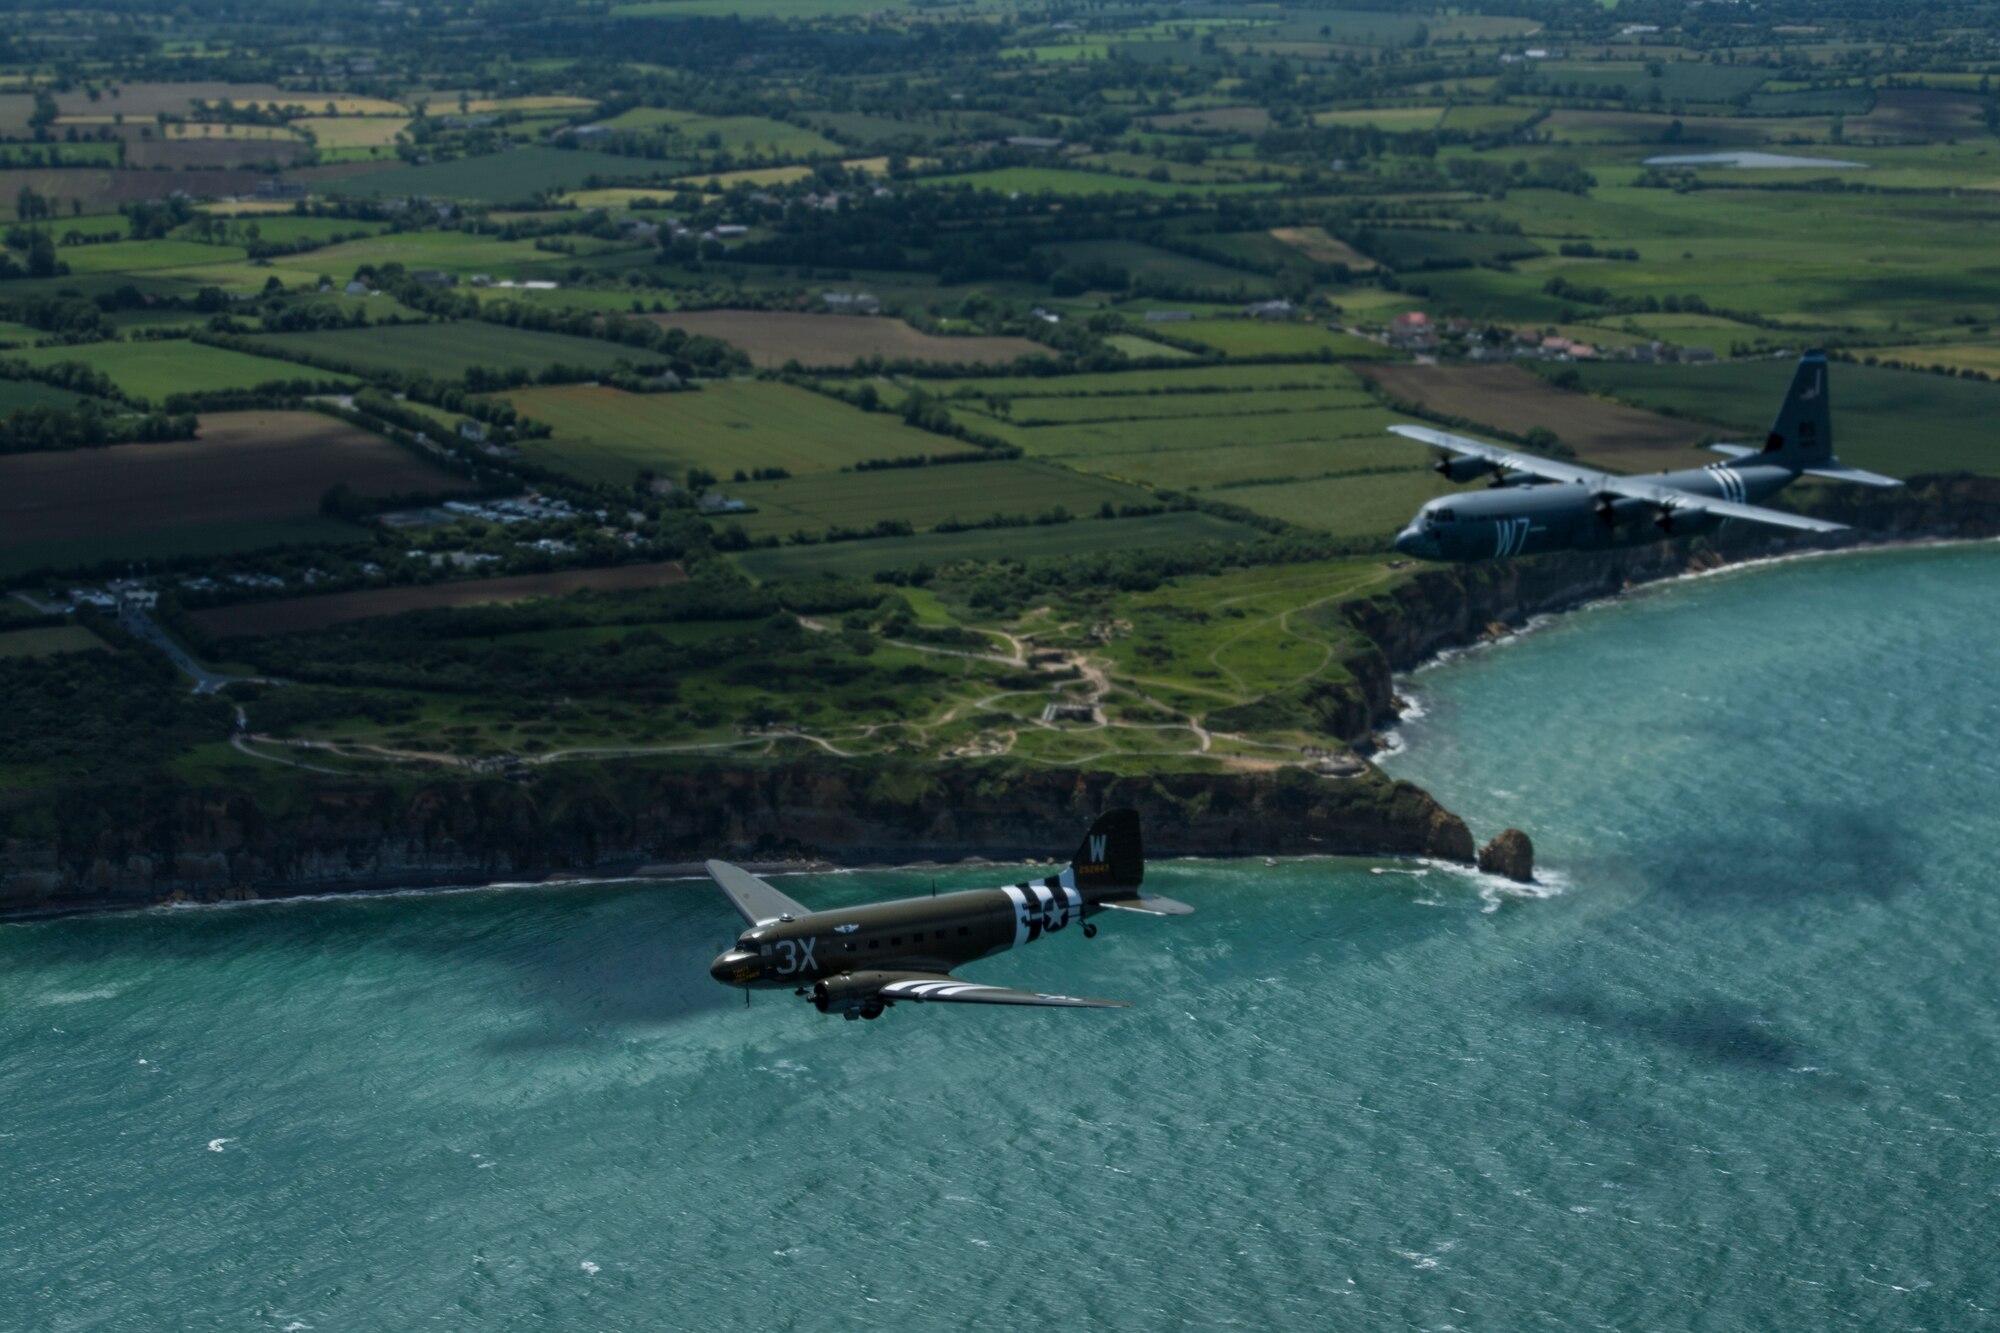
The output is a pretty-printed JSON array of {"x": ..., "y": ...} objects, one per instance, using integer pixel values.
[
  {"x": 1463, "y": 469},
  {"x": 1683, "y": 520}
]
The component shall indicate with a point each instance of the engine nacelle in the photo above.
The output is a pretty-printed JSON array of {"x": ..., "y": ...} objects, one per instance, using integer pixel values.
[
  {"x": 1613, "y": 511},
  {"x": 1517, "y": 479},
  {"x": 849, "y": 995},
  {"x": 1684, "y": 520},
  {"x": 1464, "y": 468}
]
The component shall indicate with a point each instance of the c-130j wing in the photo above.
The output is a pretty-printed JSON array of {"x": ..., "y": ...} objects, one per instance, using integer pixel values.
[{"x": 858, "y": 961}]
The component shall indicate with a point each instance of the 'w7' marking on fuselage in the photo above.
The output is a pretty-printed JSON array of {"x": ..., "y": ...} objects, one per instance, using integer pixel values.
[{"x": 1509, "y": 536}]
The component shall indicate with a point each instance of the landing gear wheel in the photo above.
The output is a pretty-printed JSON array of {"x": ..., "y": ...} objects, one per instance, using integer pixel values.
[
  {"x": 873, "y": 1011},
  {"x": 1089, "y": 931}
]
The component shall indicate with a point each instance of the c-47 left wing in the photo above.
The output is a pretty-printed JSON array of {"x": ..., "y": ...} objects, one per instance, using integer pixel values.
[
  {"x": 931, "y": 988},
  {"x": 756, "y": 900},
  {"x": 1631, "y": 488}
]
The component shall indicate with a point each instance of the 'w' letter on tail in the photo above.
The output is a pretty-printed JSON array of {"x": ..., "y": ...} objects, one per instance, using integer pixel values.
[{"x": 1111, "y": 857}]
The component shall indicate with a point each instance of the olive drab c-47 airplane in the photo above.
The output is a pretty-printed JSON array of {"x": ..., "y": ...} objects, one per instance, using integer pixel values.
[
  {"x": 857, "y": 961},
  {"x": 1536, "y": 504}
]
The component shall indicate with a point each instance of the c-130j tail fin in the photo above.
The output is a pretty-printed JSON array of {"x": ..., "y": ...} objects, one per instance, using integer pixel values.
[
  {"x": 1110, "y": 864},
  {"x": 1802, "y": 436}
]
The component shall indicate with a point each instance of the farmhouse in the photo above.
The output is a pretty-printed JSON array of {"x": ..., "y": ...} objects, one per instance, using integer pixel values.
[
  {"x": 852, "y": 303},
  {"x": 1279, "y": 309}
]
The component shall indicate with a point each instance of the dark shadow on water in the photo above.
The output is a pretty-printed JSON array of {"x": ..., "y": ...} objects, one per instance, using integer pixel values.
[
  {"x": 1715, "y": 1031},
  {"x": 1780, "y": 847}
]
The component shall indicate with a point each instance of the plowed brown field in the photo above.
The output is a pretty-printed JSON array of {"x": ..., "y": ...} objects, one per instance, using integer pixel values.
[{"x": 246, "y": 465}]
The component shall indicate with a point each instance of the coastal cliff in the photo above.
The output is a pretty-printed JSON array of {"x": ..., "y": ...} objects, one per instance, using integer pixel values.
[{"x": 165, "y": 844}]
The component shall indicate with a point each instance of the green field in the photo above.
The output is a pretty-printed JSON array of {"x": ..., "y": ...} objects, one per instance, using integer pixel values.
[
  {"x": 17, "y": 394},
  {"x": 738, "y": 134},
  {"x": 1055, "y": 180},
  {"x": 1165, "y": 267},
  {"x": 925, "y": 497},
  {"x": 139, "y": 256},
  {"x": 211, "y": 539},
  {"x": 1259, "y": 337},
  {"x": 604, "y": 435},
  {"x": 1371, "y": 505},
  {"x": 50, "y": 641},
  {"x": 1899, "y": 422},
  {"x": 1083, "y": 537},
  {"x": 447, "y": 351},
  {"x": 508, "y": 177},
  {"x": 156, "y": 369},
  {"x": 1202, "y": 380}
]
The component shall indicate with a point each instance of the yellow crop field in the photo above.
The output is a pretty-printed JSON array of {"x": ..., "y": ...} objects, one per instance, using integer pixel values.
[{"x": 354, "y": 131}]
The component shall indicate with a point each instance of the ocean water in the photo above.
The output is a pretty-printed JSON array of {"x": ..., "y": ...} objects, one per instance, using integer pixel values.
[{"x": 1736, "y": 1065}]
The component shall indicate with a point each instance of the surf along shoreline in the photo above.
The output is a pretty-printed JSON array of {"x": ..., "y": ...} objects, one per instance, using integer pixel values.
[{"x": 654, "y": 821}]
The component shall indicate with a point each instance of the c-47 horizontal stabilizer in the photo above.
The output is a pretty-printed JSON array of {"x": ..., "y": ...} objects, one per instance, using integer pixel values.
[{"x": 1152, "y": 904}]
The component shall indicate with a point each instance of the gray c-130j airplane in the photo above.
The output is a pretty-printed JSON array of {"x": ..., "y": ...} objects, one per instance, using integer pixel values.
[
  {"x": 1537, "y": 504},
  {"x": 857, "y": 961}
]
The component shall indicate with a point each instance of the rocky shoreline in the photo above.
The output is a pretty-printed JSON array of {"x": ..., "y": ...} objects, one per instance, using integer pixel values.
[{"x": 170, "y": 844}]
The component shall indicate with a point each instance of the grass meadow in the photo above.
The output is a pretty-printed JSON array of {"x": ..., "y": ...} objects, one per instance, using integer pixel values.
[
  {"x": 447, "y": 351},
  {"x": 861, "y": 559},
  {"x": 602, "y": 434},
  {"x": 154, "y": 370},
  {"x": 925, "y": 497}
]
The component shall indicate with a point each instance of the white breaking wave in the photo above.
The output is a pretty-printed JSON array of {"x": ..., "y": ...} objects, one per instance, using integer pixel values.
[
  {"x": 79, "y": 996},
  {"x": 590, "y": 1267}
]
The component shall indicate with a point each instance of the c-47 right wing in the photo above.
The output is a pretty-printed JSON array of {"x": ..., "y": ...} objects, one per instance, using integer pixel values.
[
  {"x": 933, "y": 988},
  {"x": 756, "y": 900}
]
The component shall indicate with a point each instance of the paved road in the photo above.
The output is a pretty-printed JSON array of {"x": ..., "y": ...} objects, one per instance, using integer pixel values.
[{"x": 205, "y": 681}]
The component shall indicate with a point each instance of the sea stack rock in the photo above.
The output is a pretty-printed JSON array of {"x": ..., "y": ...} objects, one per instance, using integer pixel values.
[{"x": 1510, "y": 854}]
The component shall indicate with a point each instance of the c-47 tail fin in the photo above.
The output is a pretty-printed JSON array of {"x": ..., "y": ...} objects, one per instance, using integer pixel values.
[{"x": 1111, "y": 857}]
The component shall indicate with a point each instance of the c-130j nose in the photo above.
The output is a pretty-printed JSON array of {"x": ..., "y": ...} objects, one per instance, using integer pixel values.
[
  {"x": 1413, "y": 540},
  {"x": 738, "y": 967}
]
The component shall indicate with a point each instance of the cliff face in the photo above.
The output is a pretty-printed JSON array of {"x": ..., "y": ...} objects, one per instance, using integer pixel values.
[
  {"x": 1450, "y": 606},
  {"x": 610, "y": 821}
]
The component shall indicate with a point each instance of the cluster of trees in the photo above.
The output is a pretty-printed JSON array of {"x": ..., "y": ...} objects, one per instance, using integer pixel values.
[
  {"x": 38, "y": 255},
  {"x": 86, "y": 426},
  {"x": 102, "y": 716}
]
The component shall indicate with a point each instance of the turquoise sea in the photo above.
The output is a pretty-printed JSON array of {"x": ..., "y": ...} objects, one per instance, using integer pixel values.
[{"x": 1736, "y": 1065}]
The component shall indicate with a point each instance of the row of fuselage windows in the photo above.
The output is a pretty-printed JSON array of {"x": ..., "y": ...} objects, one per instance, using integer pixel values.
[{"x": 916, "y": 937}]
